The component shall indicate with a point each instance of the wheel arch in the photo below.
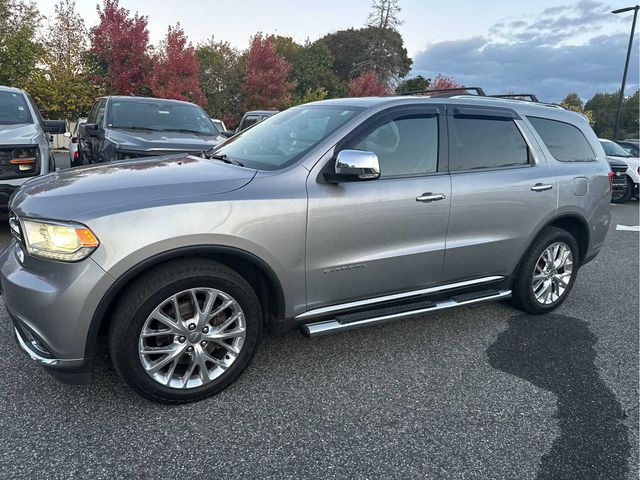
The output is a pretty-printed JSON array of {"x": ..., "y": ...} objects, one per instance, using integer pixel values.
[{"x": 253, "y": 269}]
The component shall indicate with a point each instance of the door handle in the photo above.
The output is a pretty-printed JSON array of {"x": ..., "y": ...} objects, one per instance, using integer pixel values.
[
  {"x": 541, "y": 187},
  {"x": 430, "y": 197}
]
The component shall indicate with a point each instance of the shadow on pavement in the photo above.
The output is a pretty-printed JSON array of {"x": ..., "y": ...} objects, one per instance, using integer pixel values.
[{"x": 556, "y": 353}]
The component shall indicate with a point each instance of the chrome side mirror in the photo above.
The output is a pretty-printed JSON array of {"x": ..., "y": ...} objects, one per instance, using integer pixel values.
[{"x": 355, "y": 165}]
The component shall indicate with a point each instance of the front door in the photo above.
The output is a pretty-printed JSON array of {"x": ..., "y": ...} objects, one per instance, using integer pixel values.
[{"x": 371, "y": 238}]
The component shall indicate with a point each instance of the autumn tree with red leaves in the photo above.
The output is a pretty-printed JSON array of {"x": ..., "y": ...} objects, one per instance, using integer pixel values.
[
  {"x": 367, "y": 85},
  {"x": 120, "y": 50},
  {"x": 175, "y": 69},
  {"x": 265, "y": 83},
  {"x": 442, "y": 81}
]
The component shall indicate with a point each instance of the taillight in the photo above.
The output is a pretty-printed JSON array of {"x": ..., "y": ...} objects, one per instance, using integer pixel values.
[
  {"x": 75, "y": 155},
  {"x": 611, "y": 174}
]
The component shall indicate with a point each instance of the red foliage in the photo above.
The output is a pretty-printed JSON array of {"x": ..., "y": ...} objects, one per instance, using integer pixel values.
[
  {"x": 442, "y": 81},
  {"x": 120, "y": 44},
  {"x": 176, "y": 70},
  {"x": 265, "y": 79},
  {"x": 367, "y": 85}
]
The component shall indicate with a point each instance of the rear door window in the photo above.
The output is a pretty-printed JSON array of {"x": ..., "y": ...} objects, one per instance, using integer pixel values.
[
  {"x": 486, "y": 142},
  {"x": 564, "y": 141}
]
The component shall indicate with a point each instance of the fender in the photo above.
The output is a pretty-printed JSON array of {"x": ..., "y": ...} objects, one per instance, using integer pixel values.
[{"x": 123, "y": 280}]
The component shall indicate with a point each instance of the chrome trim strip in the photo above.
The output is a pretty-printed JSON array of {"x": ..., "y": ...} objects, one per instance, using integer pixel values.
[
  {"x": 396, "y": 296},
  {"x": 49, "y": 362},
  {"x": 330, "y": 326}
]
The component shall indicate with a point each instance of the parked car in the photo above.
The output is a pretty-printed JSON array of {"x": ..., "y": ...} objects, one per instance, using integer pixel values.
[
  {"x": 120, "y": 128},
  {"x": 73, "y": 142},
  {"x": 253, "y": 117},
  {"x": 631, "y": 146},
  {"x": 219, "y": 125},
  {"x": 616, "y": 152},
  {"x": 25, "y": 149},
  {"x": 618, "y": 177},
  {"x": 328, "y": 216}
]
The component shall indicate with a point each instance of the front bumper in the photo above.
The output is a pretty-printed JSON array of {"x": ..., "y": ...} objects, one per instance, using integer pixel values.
[{"x": 51, "y": 305}]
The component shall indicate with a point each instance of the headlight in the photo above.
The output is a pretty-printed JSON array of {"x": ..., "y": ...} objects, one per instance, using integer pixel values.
[{"x": 67, "y": 242}]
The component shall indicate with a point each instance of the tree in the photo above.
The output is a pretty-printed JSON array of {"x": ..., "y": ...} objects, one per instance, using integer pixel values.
[
  {"x": 19, "y": 47},
  {"x": 367, "y": 85},
  {"x": 573, "y": 101},
  {"x": 384, "y": 14},
  {"x": 603, "y": 107},
  {"x": 120, "y": 50},
  {"x": 356, "y": 51},
  {"x": 413, "y": 84},
  {"x": 221, "y": 72},
  {"x": 311, "y": 74},
  {"x": 265, "y": 81},
  {"x": 60, "y": 85},
  {"x": 442, "y": 81},
  {"x": 175, "y": 69}
]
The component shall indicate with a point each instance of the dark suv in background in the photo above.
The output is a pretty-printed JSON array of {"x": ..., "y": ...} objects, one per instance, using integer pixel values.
[{"x": 119, "y": 128}]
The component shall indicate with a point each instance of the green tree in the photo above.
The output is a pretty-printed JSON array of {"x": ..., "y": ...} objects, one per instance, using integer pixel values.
[
  {"x": 356, "y": 51},
  {"x": 603, "y": 108},
  {"x": 19, "y": 47},
  {"x": 629, "y": 116},
  {"x": 413, "y": 84},
  {"x": 60, "y": 84},
  {"x": 221, "y": 72},
  {"x": 386, "y": 54},
  {"x": 573, "y": 101}
]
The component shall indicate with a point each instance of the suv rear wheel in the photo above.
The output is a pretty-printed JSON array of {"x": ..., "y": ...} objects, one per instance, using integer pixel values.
[
  {"x": 185, "y": 330},
  {"x": 547, "y": 272}
]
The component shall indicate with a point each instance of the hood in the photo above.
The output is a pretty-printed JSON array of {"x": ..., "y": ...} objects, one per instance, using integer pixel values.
[
  {"x": 18, "y": 134},
  {"x": 67, "y": 194},
  {"x": 150, "y": 141}
]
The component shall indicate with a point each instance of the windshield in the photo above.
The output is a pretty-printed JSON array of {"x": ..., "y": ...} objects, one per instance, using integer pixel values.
[
  {"x": 284, "y": 138},
  {"x": 614, "y": 150},
  {"x": 14, "y": 109},
  {"x": 160, "y": 115}
]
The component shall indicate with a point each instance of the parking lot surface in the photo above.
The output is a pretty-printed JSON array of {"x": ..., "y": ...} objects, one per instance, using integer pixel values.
[{"x": 485, "y": 392}]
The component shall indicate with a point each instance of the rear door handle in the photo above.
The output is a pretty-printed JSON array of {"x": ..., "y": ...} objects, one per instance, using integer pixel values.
[
  {"x": 430, "y": 197},
  {"x": 541, "y": 187}
]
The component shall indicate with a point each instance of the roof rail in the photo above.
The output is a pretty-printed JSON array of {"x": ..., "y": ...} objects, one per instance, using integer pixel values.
[
  {"x": 518, "y": 96},
  {"x": 479, "y": 91}
]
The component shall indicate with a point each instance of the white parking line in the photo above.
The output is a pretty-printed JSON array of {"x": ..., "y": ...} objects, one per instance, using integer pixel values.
[{"x": 627, "y": 228}]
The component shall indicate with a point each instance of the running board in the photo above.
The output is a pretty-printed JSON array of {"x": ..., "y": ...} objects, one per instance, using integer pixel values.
[{"x": 382, "y": 315}]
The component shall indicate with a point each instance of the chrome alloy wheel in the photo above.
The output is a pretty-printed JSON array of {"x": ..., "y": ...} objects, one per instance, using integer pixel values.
[
  {"x": 552, "y": 273},
  {"x": 192, "y": 338}
]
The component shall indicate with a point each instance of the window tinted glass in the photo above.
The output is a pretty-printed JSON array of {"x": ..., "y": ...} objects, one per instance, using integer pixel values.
[
  {"x": 13, "y": 109},
  {"x": 615, "y": 150},
  {"x": 100, "y": 112},
  {"x": 160, "y": 115},
  {"x": 564, "y": 141},
  {"x": 405, "y": 145},
  {"x": 486, "y": 142},
  {"x": 91, "y": 118},
  {"x": 248, "y": 121},
  {"x": 282, "y": 139}
]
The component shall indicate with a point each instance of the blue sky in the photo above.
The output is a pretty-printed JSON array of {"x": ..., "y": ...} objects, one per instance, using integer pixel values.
[{"x": 546, "y": 47}]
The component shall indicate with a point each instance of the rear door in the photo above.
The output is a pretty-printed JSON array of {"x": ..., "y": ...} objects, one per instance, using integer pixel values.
[
  {"x": 370, "y": 238},
  {"x": 502, "y": 190}
]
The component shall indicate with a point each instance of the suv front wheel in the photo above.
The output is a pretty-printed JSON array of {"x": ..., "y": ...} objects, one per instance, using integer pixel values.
[
  {"x": 547, "y": 272},
  {"x": 185, "y": 330}
]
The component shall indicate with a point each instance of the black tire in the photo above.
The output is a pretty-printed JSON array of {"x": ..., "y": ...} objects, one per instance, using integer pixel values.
[
  {"x": 626, "y": 196},
  {"x": 148, "y": 292},
  {"x": 523, "y": 294}
]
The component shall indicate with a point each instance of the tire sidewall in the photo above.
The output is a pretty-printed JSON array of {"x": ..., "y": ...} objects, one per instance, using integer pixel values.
[
  {"x": 136, "y": 374},
  {"x": 526, "y": 282}
]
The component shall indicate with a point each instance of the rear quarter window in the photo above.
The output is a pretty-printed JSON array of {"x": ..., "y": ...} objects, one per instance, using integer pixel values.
[{"x": 564, "y": 141}]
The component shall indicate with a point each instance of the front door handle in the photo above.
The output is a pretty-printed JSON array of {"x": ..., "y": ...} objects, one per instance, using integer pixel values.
[
  {"x": 541, "y": 187},
  {"x": 430, "y": 197}
]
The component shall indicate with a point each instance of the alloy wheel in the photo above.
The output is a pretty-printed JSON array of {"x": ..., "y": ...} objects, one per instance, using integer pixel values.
[{"x": 552, "y": 273}]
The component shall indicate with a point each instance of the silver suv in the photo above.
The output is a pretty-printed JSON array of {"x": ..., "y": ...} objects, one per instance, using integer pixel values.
[{"x": 328, "y": 216}]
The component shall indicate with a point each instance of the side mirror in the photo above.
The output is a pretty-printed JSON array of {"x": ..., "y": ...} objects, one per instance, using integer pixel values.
[
  {"x": 227, "y": 133},
  {"x": 55, "y": 127},
  {"x": 90, "y": 129},
  {"x": 67, "y": 134},
  {"x": 355, "y": 165}
]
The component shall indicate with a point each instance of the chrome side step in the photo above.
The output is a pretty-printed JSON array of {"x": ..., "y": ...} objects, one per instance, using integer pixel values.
[{"x": 329, "y": 326}]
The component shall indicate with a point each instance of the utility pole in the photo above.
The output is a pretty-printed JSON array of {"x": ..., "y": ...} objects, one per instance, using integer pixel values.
[{"x": 626, "y": 63}]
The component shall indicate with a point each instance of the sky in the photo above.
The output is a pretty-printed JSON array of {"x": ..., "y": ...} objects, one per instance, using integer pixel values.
[{"x": 545, "y": 47}]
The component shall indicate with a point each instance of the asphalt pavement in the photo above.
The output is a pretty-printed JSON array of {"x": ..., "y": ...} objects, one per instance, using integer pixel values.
[{"x": 477, "y": 393}]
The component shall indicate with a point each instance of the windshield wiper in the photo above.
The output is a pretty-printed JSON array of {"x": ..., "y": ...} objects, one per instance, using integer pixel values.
[
  {"x": 184, "y": 130},
  {"x": 223, "y": 157},
  {"x": 135, "y": 128}
]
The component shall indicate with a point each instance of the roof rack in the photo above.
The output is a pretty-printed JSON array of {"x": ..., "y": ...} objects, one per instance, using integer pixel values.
[
  {"x": 518, "y": 96},
  {"x": 479, "y": 91}
]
